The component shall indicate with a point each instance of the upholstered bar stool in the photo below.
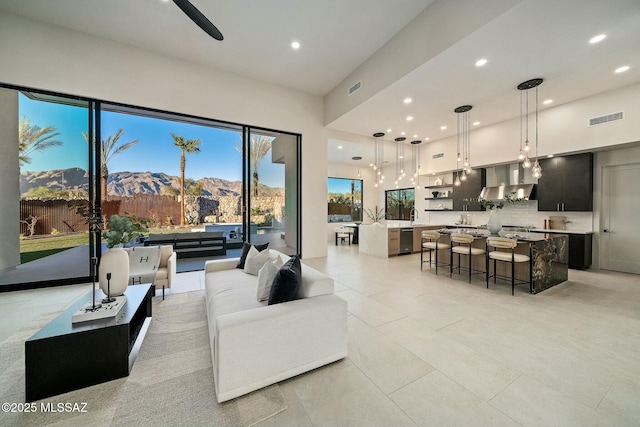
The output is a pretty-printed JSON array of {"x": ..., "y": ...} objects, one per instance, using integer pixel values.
[
  {"x": 430, "y": 242},
  {"x": 506, "y": 256},
  {"x": 461, "y": 245}
]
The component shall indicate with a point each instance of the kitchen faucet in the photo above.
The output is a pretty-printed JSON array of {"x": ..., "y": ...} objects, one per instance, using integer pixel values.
[{"x": 413, "y": 215}]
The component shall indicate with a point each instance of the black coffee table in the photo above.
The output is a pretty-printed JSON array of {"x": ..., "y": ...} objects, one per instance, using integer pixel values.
[{"x": 62, "y": 356}]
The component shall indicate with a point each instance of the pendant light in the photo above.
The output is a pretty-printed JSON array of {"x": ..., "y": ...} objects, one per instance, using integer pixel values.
[
  {"x": 463, "y": 128},
  {"x": 378, "y": 146},
  {"x": 415, "y": 162},
  {"x": 536, "y": 170},
  {"x": 400, "y": 173}
]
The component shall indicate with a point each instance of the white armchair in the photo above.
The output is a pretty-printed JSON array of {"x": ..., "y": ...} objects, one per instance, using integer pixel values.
[
  {"x": 166, "y": 269},
  {"x": 166, "y": 273}
]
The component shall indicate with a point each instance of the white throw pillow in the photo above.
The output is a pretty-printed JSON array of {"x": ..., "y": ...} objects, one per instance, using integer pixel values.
[
  {"x": 265, "y": 278},
  {"x": 255, "y": 260}
]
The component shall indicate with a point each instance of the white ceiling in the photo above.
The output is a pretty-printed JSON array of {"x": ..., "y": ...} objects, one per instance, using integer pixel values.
[{"x": 535, "y": 38}]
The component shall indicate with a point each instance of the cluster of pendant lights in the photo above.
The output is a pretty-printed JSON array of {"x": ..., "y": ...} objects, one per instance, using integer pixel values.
[
  {"x": 463, "y": 143},
  {"x": 463, "y": 120},
  {"x": 401, "y": 172},
  {"x": 523, "y": 157}
]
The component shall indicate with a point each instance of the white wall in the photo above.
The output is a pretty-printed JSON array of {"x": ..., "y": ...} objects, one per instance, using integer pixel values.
[
  {"x": 52, "y": 58},
  {"x": 9, "y": 181},
  {"x": 562, "y": 129}
]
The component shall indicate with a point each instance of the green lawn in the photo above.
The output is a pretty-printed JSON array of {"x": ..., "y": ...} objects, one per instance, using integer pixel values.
[{"x": 32, "y": 249}]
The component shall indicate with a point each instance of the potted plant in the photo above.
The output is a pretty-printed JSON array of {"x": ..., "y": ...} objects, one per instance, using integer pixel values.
[
  {"x": 123, "y": 229},
  {"x": 375, "y": 216}
]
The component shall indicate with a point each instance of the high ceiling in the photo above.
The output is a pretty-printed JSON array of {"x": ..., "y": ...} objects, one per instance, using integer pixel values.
[{"x": 534, "y": 38}]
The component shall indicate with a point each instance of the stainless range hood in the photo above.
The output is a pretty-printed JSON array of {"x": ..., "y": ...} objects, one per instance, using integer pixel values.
[
  {"x": 498, "y": 192},
  {"x": 507, "y": 179}
]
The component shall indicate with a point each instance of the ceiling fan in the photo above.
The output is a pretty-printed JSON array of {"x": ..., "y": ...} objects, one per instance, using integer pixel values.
[{"x": 201, "y": 21}]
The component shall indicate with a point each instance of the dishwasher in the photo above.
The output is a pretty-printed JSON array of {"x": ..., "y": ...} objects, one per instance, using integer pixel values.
[{"x": 406, "y": 241}]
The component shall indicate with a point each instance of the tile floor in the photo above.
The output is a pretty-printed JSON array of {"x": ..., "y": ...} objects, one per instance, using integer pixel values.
[{"x": 426, "y": 350}]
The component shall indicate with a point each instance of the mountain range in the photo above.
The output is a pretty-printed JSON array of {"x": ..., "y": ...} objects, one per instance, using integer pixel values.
[{"x": 130, "y": 183}]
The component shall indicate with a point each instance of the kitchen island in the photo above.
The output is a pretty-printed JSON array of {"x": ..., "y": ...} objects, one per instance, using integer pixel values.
[
  {"x": 385, "y": 240},
  {"x": 549, "y": 255}
]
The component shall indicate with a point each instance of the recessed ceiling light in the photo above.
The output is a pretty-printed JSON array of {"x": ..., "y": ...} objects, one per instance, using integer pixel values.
[
  {"x": 426, "y": 139},
  {"x": 597, "y": 38},
  {"x": 389, "y": 130},
  {"x": 547, "y": 101},
  {"x": 481, "y": 62},
  {"x": 402, "y": 133},
  {"x": 443, "y": 128},
  {"x": 407, "y": 100},
  {"x": 415, "y": 136},
  {"x": 550, "y": 155},
  {"x": 622, "y": 69},
  {"x": 295, "y": 45},
  {"x": 476, "y": 123},
  {"x": 339, "y": 147},
  {"x": 409, "y": 118}
]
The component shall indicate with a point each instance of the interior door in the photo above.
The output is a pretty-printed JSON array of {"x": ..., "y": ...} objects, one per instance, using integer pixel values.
[{"x": 620, "y": 233}]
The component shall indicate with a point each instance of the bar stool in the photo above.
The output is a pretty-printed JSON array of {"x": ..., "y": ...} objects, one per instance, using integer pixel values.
[
  {"x": 343, "y": 233},
  {"x": 463, "y": 247},
  {"x": 431, "y": 244},
  {"x": 513, "y": 258}
]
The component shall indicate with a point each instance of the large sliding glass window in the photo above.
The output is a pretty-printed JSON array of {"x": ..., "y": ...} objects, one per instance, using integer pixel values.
[
  {"x": 273, "y": 177},
  {"x": 54, "y": 179},
  {"x": 181, "y": 173}
]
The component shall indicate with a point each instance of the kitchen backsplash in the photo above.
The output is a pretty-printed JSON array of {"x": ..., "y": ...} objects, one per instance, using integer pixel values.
[{"x": 520, "y": 214}]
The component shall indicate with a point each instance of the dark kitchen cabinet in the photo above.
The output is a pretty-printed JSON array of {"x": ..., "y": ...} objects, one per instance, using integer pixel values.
[
  {"x": 580, "y": 250},
  {"x": 566, "y": 183},
  {"x": 469, "y": 190}
]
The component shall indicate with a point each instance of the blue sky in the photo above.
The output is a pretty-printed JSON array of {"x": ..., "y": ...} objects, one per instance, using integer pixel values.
[
  {"x": 154, "y": 152},
  {"x": 342, "y": 185}
]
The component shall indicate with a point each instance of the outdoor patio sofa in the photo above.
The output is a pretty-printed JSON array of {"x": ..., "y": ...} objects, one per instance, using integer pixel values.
[
  {"x": 194, "y": 244},
  {"x": 254, "y": 344}
]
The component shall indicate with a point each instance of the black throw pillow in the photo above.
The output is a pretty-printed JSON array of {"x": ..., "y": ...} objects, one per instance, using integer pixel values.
[
  {"x": 287, "y": 282},
  {"x": 245, "y": 250}
]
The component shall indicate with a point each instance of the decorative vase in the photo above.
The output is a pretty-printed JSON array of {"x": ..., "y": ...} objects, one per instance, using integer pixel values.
[
  {"x": 115, "y": 264},
  {"x": 494, "y": 224},
  {"x": 435, "y": 194}
]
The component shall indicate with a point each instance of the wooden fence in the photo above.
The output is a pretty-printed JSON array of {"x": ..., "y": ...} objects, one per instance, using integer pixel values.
[
  {"x": 58, "y": 216},
  {"x": 53, "y": 215}
]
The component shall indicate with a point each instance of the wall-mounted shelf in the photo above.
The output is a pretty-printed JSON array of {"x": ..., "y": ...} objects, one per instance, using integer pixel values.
[
  {"x": 440, "y": 186},
  {"x": 438, "y": 198},
  {"x": 437, "y": 210}
]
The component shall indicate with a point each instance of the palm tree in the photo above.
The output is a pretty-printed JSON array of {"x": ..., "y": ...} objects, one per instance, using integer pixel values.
[
  {"x": 34, "y": 138},
  {"x": 107, "y": 153},
  {"x": 259, "y": 146},
  {"x": 185, "y": 146}
]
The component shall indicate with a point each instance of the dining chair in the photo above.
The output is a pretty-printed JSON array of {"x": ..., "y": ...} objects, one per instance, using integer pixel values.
[
  {"x": 430, "y": 242},
  {"x": 506, "y": 256},
  {"x": 343, "y": 233},
  {"x": 461, "y": 245}
]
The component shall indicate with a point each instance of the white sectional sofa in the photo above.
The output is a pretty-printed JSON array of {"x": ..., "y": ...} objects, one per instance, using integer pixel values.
[{"x": 253, "y": 344}]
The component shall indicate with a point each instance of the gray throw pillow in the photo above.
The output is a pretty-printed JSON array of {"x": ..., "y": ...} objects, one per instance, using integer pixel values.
[
  {"x": 245, "y": 250},
  {"x": 255, "y": 260},
  {"x": 265, "y": 278}
]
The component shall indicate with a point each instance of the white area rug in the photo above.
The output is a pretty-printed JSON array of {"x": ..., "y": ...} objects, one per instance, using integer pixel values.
[{"x": 171, "y": 383}]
